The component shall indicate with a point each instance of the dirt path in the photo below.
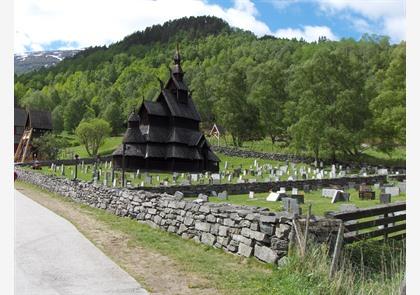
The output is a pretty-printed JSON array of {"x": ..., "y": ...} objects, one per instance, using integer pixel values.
[{"x": 157, "y": 273}]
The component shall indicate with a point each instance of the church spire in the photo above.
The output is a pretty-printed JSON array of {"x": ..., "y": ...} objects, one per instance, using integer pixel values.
[{"x": 176, "y": 69}]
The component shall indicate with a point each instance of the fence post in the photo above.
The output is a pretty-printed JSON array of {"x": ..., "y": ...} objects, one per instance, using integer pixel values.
[
  {"x": 305, "y": 238},
  {"x": 385, "y": 227},
  {"x": 337, "y": 249}
]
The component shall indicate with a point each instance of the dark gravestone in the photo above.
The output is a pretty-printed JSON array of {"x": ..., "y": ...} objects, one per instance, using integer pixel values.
[
  {"x": 299, "y": 198},
  {"x": 292, "y": 206},
  {"x": 306, "y": 188},
  {"x": 341, "y": 197},
  {"x": 365, "y": 195},
  {"x": 366, "y": 192},
  {"x": 385, "y": 198},
  {"x": 223, "y": 195}
]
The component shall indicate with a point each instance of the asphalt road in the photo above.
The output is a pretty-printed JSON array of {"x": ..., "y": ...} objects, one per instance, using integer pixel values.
[{"x": 53, "y": 257}]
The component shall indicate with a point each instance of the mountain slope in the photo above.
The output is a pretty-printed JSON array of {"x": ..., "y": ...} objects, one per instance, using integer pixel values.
[{"x": 29, "y": 61}]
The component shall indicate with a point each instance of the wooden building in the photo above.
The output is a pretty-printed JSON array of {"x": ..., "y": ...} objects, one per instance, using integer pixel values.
[
  {"x": 36, "y": 124},
  {"x": 19, "y": 127},
  {"x": 164, "y": 134}
]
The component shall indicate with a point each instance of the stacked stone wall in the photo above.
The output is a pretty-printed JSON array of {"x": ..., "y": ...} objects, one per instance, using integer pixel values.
[{"x": 242, "y": 230}]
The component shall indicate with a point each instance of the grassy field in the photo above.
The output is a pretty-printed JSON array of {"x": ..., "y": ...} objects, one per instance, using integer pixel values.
[
  {"x": 136, "y": 180},
  {"x": 319, "y": 204},
  {"x": 370, "y": 155},
  {"x": 368, "y": 268}
]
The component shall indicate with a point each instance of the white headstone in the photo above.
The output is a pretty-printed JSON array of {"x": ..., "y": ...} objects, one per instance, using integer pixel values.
[
  {"x": 273, "y": 197},
  {"x": 392, "y": 190},
  {"x": 282, "y": 190},
  {"x": 294, "y": 191},
  {"x": 251, "y": 195},
  {"x": 194, "y": 177}
]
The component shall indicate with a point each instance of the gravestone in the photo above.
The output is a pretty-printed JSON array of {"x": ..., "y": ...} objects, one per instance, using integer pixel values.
[
  {"x": 251, "y": 195},
  {"x": 329, "y": 192},
  {"x": 142, "y": 184},
  {"x": 299, "y": 198},
  {"x": 223, "y": 195},
  {"x": 292, "y": 206},
  {"x": 114, "y": 183},
  {"x": 273, "y": 196},
  {"x": 194, "y": 177},
  {"x": 382, "y": 171},
  {"x": 340, "y": 196},
  {"x": 294, "y": 191},
  {"x": 392, "y": 190},
  {"x": 402, "y": 187},
  {"x": 216, "y": 178},
  {"x": 203, "y": 197},
  {"x": 351, "y": 185},
  {"x": 366, "y": 193},
  {"x": 306, "y": 188},
  {"x": 148, "y": 179},
  {"x": 385, "y": 198},
  {"x": 229, "y": 179},
  {"x": 290, "y": 178}
]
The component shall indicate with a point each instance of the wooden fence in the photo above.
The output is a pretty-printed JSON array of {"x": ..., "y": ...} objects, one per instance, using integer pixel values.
[{"x": 379, "y": 221}]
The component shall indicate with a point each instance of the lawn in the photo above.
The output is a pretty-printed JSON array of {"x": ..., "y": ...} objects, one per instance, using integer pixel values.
[{"x": 319, "y": 204}]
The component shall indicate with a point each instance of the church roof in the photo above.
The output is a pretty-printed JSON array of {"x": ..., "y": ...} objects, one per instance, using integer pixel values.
[
  {"x": 155, "y": 108},
  {"x": 185, "y": 136},
  {"x": 181, "y": 110},
  {"x": 20, "y": 117}
]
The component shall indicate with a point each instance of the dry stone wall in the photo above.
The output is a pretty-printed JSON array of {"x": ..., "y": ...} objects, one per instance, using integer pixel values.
[{"x": 242, "y": 230}]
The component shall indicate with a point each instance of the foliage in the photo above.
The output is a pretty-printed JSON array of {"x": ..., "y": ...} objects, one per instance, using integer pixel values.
[
  {"x": 49, "y": 145},
  {"x": 324, "y": 98},
  {"x": 92, "y": 134}
]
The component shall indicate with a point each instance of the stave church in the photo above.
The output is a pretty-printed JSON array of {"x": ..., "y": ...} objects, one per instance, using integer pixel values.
[{"x": 164, "y": 135}]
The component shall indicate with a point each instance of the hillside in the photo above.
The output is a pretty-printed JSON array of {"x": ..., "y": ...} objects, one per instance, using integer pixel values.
[
  {"x": 326, "y": 98},
  {"x": 30, "y": 61}
]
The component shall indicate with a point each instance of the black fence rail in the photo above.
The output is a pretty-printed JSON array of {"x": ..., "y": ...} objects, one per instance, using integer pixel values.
[{"x": 379, "y": 221}]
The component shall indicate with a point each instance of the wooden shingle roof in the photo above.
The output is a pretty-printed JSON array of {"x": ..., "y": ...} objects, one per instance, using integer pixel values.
[{"x": 39, "y": 120}]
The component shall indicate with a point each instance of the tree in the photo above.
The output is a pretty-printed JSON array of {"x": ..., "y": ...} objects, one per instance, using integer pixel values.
[
  {"x": 331, "y": 108},
  {"x": 113, "y": 115},
  {"x": 92, "y": 134},
  {"x": 269, "y": 97},
  {"x": 49, "y": 145},
  {"x": 233, "y": 110},
  {"x": 73, "y": 113},
  {"x": 388, "y": 107}
]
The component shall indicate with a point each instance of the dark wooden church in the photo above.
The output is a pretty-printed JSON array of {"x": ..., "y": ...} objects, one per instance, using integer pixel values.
[{"x": 164, "y": 135}]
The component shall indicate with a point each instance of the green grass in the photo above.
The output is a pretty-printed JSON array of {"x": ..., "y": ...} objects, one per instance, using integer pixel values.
[
  {"x": 301, "y": 276},
  {"x": 110, "y": 144},
  {"x": 370, "y": 156},
  {"x": 320, "y": 205}
]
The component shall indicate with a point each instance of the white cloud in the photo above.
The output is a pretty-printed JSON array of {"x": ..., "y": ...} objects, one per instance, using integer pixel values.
[
  {"x": 99, "y": 22},
  {"x": 389, "y": 15},
  {"x": 309, "y": 33}
]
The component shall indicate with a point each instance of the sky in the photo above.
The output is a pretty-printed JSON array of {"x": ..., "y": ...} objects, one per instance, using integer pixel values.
[{"x": 63, "y": 24}]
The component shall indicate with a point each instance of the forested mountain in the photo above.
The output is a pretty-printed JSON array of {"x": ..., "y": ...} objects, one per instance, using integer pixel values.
[{"x": 324, "y": 97}]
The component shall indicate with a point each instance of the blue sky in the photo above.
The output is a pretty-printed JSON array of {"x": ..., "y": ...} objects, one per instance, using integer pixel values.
[{"x": 54, "y": 24}]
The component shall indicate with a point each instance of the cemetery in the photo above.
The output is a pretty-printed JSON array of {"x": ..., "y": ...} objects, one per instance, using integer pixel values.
[{"x": 165, "y": 172}]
